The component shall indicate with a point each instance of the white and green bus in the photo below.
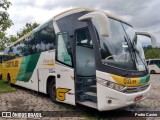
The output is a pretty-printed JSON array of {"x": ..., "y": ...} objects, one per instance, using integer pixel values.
[
  {"x": 82, "y": 56},
  {"x": 153, "y": 65}
]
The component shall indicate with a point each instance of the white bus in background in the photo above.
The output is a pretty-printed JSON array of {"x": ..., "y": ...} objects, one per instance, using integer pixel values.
[{"x": 153, "y": 65}]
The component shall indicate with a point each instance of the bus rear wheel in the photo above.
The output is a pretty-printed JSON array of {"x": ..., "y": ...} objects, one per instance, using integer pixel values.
[
  {"x": 52, "y": 90},
  {"x": 9, "y": 79},
  {"x": 1, "y": 77},
  {"x": 152, "y": 71}
]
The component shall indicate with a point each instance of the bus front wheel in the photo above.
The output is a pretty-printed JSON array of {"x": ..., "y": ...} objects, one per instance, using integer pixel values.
[{"x": 52, "y": 90}]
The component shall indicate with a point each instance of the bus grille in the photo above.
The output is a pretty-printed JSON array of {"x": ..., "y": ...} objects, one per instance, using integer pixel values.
[{"x": 135, "y": 89}]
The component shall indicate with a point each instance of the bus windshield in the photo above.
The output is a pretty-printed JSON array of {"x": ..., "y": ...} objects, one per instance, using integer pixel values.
[{"x": 117, "y": 49}]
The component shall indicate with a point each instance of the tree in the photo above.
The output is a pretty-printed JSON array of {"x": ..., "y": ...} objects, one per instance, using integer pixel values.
[
  {"x": 12, "y": 38},
  {"x": 27, "y": 28},
  {"x": 5, "y": 22},
  {"x": 7, "y": 41},
  {"x": 152, "y": 53}
]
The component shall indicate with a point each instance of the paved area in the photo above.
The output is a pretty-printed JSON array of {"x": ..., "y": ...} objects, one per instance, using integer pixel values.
[
  {"x": 153, "y": 101},
  {"x": 26, "y": 100}
]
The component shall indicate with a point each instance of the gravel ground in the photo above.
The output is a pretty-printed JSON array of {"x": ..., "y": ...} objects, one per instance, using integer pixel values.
[
  {"x": 153, "y": 101},
  {"x": 26, "y": 100}
]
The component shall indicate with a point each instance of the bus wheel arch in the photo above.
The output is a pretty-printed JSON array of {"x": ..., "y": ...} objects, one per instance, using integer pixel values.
[
  {"x": 152, "y": 71},
  {"x": 51, "y": 88}
]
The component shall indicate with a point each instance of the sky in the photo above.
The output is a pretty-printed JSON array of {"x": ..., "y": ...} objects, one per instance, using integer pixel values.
[{"x": 143, "y": 15}]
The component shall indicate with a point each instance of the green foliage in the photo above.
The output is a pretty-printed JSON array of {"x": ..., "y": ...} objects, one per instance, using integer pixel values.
[
  {"x": 9, "y": 40},
  {"x": 5, "y": 22},
  {"x": 27, "y": 28},
  {"x": 12, "y": 38},
  {"x": 152, "y": 53},
  {"x": 5, "y": 87}
]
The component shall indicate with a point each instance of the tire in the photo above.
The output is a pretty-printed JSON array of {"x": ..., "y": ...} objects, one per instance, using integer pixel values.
[
  {"x": 152, "y": 71},
  {"x": 9, "y": 79},
  {"x": 52, "y": 90},
  {"x": 1, "y": 77}
]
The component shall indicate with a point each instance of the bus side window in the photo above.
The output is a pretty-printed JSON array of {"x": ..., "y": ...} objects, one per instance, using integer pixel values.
[
  {"x": 83, "y": 38},
  {"x": 147, "y": 62},
  {"x": 10, "y": 50},
  {"x": 51, "y": 37},
  {"x": 46, "y": 38},
  {"x": 151, "y": 62},
  {"x": 22, "y": 49},
  {"x": 18, "y": 50},
  {"x": 31, "y": 44},
  {"x": 63, "y": 55},
  {"x": 0, "y": 59}
]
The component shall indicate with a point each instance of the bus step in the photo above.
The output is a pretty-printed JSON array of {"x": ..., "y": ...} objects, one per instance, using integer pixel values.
[
  {"x": 91, "y": 96},
  {"x": 91, "y": 88},
  {"x": 89, "y": 81},
  {"x": 88, "y": 103}
]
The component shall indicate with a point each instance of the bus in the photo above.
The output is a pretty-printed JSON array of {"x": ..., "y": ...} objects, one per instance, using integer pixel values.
[
  {"x": 1, "y": 55},
  {"x": 82, "y": 56},
  {"x": 153, "y": 65},
  {"x": 2, "y": 58}
]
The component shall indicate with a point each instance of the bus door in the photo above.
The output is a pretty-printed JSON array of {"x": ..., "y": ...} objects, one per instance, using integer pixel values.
[{"x": 65, "y": 86}]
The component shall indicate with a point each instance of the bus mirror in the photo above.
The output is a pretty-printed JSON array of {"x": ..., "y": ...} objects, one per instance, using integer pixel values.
[
  {"x": 153, "y": 38},
  {"x": 101, "y": 19}
]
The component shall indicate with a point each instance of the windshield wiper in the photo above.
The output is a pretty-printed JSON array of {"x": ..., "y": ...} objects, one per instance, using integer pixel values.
[{"x": 134, "y": 49}]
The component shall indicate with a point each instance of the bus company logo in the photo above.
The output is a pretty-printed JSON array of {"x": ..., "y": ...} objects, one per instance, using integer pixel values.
[
  {"x": 61, "y": 93},
  {"x": 12, "y": 64},
  {"x": 48, "y": 62},
  {"x": 129, "y": 81}
]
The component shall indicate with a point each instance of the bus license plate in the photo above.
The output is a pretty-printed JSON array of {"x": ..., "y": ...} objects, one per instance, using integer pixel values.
[{"x": 138, "y": 98}]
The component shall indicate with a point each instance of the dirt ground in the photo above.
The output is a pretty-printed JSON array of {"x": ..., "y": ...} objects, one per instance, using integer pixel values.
[{"x": 26, "y": 100}]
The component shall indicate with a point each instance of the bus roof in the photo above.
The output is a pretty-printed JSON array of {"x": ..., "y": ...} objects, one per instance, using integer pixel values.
[
  {"x": 76, "y": 10},
  {"x": 63, "y": 14}
]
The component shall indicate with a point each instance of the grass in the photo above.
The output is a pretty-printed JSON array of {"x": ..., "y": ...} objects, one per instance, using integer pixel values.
[{"x": 5, "y": 87}]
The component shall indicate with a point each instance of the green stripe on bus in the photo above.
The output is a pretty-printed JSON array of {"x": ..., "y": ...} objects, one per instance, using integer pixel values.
[
  {"x": 23, "y": 68},
  {"x": 144, "y": 79},
  {"x": 27, "y": 67}
]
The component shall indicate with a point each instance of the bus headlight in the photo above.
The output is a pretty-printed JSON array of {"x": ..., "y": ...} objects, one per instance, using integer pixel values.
[{"x": 110, "y": 84}]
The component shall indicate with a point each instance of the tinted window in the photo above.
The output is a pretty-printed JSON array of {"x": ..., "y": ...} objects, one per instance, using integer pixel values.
[
  {"x": 0, "y": 59},
  {"x": 10, "y": 51},
  {"x": 8, "y": 57},
  {"x": 64, "y": 54},
  {"x": 153, "y": 62},
  {"x": 46, "y": 38},
  {"x": 83, "y": 38},
  {"x": 25, "y": 47},
  {"x": 31, "y": 45}
]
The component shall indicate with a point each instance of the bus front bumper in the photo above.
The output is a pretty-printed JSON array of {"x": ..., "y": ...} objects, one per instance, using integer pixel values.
[{"x": 109, "y": 99}]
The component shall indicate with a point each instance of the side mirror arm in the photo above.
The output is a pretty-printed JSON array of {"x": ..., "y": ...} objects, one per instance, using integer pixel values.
[
  {"x": 101, "y": 20},
  {"x": 153, "y": 38}
]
